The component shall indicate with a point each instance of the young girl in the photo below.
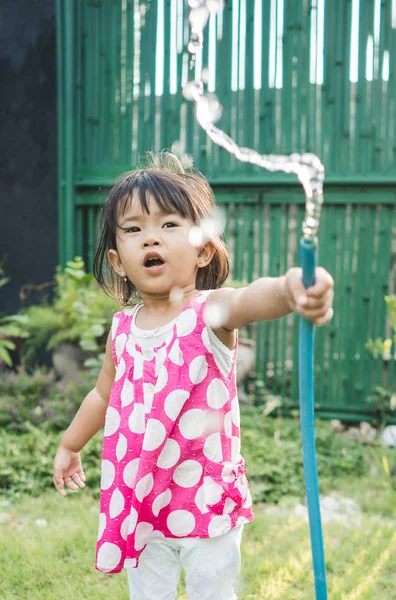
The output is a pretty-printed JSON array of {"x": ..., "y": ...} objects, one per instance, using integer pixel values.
[{"x": 173, "y": 487}]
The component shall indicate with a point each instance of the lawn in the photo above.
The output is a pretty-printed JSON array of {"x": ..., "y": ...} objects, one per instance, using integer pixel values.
[{"x": 47, "y": 551}]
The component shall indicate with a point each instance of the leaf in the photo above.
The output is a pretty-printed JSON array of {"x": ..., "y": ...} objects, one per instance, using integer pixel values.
[
  {"x": 97, "y": 330},
  {"x": 5, "y": 356},
  {"x": 89, "y": 345},
  {"x": 7, "y": 344}
]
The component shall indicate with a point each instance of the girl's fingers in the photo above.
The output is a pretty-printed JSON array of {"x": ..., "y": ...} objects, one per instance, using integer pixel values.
[
  {"x": 78, "y": 480},
  {"x": 326, "y": 318},
  {"x": 320, "y": 315},
  {"x": 70, "y": 483},
  {"x": 58, "y": 483}
]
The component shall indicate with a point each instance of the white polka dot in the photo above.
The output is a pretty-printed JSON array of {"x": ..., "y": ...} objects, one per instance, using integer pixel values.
[
  {"x": 229, "y": 506},
  {"x": 157, "y": 534},
  {"x": 192, "y": 423},
  {"x": 109, "y": 555},
  {"x": 213, "y": 491},
  {"x": 127, "y": 393},
  {"x": 130, "y": 471},
  {"x": 162, "y": 379},
  {"x": 242, "y": 521},
  {"x": 228, "y": 424},
  {"x": 124, "y": 528},
  {"x": 174, "y": 403},
  {"x": 235, "y": 449},
  {"x": 144, "y": 486},
  {"x": 136, "y": 420},
  {"x": 138, "y": 365},
  {"x": 170, "y": 454},
  {"x": 200, "y": 500},
  {"x": 214, "y": 421},
  {"x": 216, "y": 394},
  {"x": 154, "y": 435},
  {"x": 161, "y": 501},
  {"x": 120, "y": 344},
  {"x": 130, "y": 563},
  {"x": 219, "y": 525},
  {"x": 206, "y": 340},
  {"x": 142, "y": 534},
  {"x": 248, "y": 502},
  {"x": 102, "y": 525},
  {"x": 148, "y": 393},
  {"x": 159, "y": 359},
  {"x": 176, "y": 355},
  {"x": 198, "y": 369},
  {"x": 188, "y": 473},
  {"x": 114, "y": 326},
  {"x": 180, "y": 522},
  {"x": 117, "y": 503},
  {"x": 186, "y": 322},
  {"x": 227, "y": 473},
  {"x": 236, "y": 419},
  {"x": 242, "y": 486},
  {"x": 130, "y": 346},
  {"x": 212, "y": 447},
  {"x": 120, "y": 370},
  {"x": 202, "y": 296},
  {"x": 108, "y": 474},
  {"x": 133, "y": 517},
  {"x": 121, "y": 447},
  {"x": 112, "y": 422},
  {"x": 148, "y": 353}
]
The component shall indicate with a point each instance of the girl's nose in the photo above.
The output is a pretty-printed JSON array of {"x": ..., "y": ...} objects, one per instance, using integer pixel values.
[{"x": 151, "y": 240}]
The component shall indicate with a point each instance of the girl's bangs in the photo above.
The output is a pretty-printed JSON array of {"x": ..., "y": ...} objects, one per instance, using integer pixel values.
[{"x": 169, "y": 197}]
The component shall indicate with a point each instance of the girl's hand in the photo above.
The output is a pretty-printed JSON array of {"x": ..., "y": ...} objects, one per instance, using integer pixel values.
[
  {"x": 68, "y": 470},
  {"x": 314, "y": 303}
]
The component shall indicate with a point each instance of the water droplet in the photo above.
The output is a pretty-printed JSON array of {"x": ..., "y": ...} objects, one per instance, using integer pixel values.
[
  {"x": 198, "y": 18},
  {"x": 191, "y": 89},
  {"x": 195, "y": 236},
  {"x": 205, "y": 75},
  {"x": 176, "y": 296},
  {"x": 215, "y": 6},
  {"x": 177, "y": 148},
  {"x": 216, "y": 314}
]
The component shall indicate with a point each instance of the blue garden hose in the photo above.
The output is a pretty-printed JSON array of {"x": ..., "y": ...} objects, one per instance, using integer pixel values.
[{"x": 306, "y": 385}]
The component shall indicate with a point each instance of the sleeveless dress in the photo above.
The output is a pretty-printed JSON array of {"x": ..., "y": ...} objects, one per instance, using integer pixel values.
[{"x": 171, "y": 462}]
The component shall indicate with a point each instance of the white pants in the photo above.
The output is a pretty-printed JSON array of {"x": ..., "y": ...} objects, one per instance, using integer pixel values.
[{"x": 210, "y": 565}]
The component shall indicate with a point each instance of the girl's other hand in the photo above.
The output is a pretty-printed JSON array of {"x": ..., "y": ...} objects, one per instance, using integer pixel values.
[
  {"x": 314, "y": 303},
  {"x": 68, "y": 470}
]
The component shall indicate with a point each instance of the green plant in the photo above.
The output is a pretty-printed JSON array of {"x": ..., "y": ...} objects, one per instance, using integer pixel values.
[
  {"x": 39, "y": 399},
  {"x": 26, "y": 461},
  {"x": 79, "y": 313},
  {"x": 379, "y": 346},
  {"x": 11, "y": 328},
  {"x": 381, "y": 402}
]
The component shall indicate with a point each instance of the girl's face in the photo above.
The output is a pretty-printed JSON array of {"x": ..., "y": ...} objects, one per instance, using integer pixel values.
[{"x": 154, "y": 252}]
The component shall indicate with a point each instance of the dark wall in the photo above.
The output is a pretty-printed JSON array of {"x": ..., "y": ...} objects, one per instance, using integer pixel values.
[{"x": 28, "y": 193}]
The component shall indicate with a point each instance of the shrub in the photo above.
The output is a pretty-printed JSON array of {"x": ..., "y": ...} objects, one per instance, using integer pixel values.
[
  {"x": 79, "y": 313},
  {"x": 38, "y": 399},
  {"x": 26, "y": 462}
]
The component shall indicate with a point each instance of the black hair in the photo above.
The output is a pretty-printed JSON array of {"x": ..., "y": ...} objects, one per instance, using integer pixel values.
[{"x": 174, "y": 189}]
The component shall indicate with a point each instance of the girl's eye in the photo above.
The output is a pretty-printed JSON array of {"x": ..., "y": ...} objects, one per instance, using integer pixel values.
[
  {"x": 132, "y": 229},
  {"x": 170, "y": 224}
]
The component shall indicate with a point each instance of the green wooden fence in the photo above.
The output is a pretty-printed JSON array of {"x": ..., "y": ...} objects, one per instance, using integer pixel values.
[{"x": 292, "y": 75}]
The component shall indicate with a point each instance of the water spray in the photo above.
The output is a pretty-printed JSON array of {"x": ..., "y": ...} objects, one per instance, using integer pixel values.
[{"x": 310, "y": 172}]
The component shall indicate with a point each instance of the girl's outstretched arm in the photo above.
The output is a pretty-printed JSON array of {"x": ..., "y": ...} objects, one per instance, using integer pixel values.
[{"x": 270, "y": 298}]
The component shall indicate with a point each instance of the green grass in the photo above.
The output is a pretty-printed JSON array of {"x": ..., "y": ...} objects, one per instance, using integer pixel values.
[{"x": 56, "y": 561}]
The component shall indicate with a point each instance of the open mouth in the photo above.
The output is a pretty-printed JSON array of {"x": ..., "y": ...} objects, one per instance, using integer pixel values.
[{"x": 153, "y": 262}]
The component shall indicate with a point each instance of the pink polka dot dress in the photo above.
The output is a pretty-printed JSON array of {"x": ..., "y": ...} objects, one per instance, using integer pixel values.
[{"x": 171, "y": 463}]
